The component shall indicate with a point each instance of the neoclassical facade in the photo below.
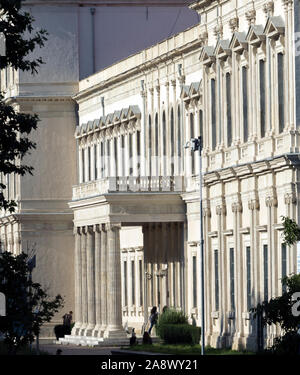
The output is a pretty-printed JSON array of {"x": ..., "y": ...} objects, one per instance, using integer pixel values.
[
  {"x": 127, "y": 219},
  {"x": 231, "y": 79}
]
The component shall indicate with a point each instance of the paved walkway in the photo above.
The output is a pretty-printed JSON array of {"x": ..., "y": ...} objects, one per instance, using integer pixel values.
[{"x": 74, "y": 350}]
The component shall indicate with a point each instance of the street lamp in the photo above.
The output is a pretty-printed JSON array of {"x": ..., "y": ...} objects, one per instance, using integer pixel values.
[
  {"x": 148, "y": 276},
  {"x": 195, "y": 144}
]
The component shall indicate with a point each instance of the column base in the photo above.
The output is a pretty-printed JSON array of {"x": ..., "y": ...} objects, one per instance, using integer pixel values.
[
  {"x": 89, "y": 330},
  {"x": 76, "y": 329},
  {"x": 82, "y": 329},
  {"x": 97, "y": 331},
  {"x": 114, "y": 333}
]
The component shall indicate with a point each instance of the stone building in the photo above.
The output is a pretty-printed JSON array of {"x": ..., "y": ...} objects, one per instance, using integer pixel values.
[{"x": 233, "y": 79}]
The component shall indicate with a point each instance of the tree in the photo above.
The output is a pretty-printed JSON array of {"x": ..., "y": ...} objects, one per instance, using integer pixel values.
[
  {"x": 21, "y": 39},
  {"x": 279, "y": 310},
  {"x": 28, "y": 306}
]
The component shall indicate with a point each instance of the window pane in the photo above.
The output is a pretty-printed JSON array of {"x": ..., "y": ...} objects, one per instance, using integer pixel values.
[
  {"x": 194, "y": 281},
  {"x": 228, "y": 109},
  {"x": 216, "y": 280},
  {"x": 231, "y": 261},
  {"x": 213, "y": 113},
  {"x": 133, "y": 282},
  {"x": 280, "y": 63},
  {"x": 262, "y": 91},
  {"x": 266, "y": 272},
  {"x": 245, "y": 103},
  {"x": 248, "y": 261}
]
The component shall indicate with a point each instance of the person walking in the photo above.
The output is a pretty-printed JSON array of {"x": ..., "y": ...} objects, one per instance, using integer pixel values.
[{"x": 153, "y": 318}]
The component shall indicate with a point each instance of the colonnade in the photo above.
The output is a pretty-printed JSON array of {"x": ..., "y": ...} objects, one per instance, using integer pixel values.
[{"x": 98, "y": 281}]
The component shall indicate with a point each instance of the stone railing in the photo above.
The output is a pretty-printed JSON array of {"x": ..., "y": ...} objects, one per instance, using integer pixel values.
[{"x": 129, "y": 184}]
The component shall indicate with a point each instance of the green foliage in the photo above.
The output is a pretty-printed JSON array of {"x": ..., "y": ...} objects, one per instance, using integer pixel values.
[
  {"x": 172, "y": 316},
  {"x": 28, "y": 306},
  {"x": 291, "y": 231},
  {"x": 15, "y": 127},
  {"x": 15, "y": 24},
  {"x": 279, "y": 310},
  {"x": 289, "y": 344},
  {"x": 179, "y": 333}
]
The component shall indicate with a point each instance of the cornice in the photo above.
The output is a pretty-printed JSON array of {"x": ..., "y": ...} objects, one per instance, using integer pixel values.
[
  {"x": 253, "y": 168},
  {"x": 142, "y": 68}
]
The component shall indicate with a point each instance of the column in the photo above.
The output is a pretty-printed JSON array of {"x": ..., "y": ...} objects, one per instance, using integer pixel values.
[
  {"x": 221, "y": 211},
  {"x": 103, "y": 277},
  {"x": 78, "y": 281},
  {"x": 84, "y": 310},
  {"x": 238, "y": 267},
  {"x": 98, "y": 281},
  {"x": 114, "y": 328},
  {"x": 80, "y": 165},
  {"x": 90, "y": 252}
]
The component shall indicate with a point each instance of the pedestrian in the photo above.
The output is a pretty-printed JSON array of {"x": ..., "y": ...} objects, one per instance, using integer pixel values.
[
  {"x": 67, "y": 321},
  {"x": 133, "y": 340},
  {"x": 153, "y": 318}
]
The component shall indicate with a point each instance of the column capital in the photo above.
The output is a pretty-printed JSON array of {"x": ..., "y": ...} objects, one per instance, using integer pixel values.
[
  {"x": 173, "y": 82},
  {"x": 253, "y": 204},
  {"x": 97, "y": 228},
  {"x": 271, "y": 201},
  {"x": 221, "y": 209},
  {"x": 113, "y": 226},
  {"x": 89, "y": 229},
  {"x": 237, "y": 207},
  {"x": 76, "y": 230},
  {"x": 290, "y": 198}
]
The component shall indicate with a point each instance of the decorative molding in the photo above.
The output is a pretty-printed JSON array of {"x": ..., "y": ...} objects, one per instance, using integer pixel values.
[
  {"x": 268, "y": 8},
  {"x": 234, "y": 24},
  {"x": 251, "y": 16}
]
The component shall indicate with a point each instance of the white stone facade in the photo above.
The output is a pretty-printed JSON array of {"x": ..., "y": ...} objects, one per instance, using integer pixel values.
[{"x": 233, "y": 80}]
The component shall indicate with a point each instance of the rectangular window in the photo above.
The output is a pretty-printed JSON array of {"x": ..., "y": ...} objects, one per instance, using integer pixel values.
[
  {"x": 228, "y": 109},
  {"x": 116, "y": 155},
  {"x": 280, "y": 67},
  {"x": 283, "y": 264},
  {"x": 231, "y": 263},
  {"x": 194, "y": 281},
  {"x": 95, "y": 162},
  {"x": 123, "y": 154},
  {"x": 213, "y": 113},
  {"x": 133, "y": 282},
  {"x": 262, "y": 93},
  {"x": 83, "y": 164},
  {"x": 266, "y": 279},
  {"x": 141, "y": 281},
  {"x": 125, "y": 284},
  {"x": 216, "y": 253},
  {"x": 248, "y": 265},
  {"x": 245, "y": 103},
  {"x": 89, "y": 163}
]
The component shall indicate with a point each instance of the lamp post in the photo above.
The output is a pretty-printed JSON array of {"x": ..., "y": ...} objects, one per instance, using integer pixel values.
[
  {"x": 148, "y": 276},
  {"x": 195, "y": 144}
]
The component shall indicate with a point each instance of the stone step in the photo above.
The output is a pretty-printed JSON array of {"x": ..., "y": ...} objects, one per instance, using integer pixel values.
[{"x": 96, "y": 341}]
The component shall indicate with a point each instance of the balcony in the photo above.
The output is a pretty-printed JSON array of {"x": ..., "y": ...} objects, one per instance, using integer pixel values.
[{"x": 129, "y": 184}]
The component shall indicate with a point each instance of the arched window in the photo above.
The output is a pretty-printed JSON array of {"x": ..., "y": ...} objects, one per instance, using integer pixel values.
[{"x": 172, "y": 141}]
